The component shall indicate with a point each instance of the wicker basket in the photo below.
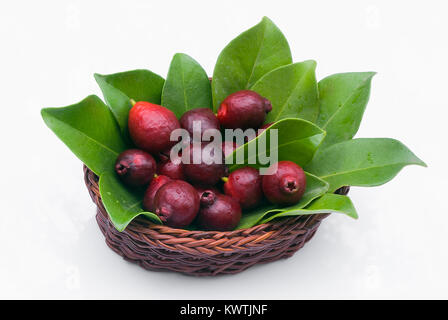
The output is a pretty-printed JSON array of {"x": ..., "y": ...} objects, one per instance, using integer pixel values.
[{"x": 203, "y": 253}]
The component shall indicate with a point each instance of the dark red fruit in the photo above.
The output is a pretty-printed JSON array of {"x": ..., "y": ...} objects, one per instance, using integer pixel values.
[
  {"x": 243, "y": 109},
  {"x": 204, "y": 116},
  {"x": 244, "y": 185},
  {"x": 135, "y": 167},
  {"x": 174, "y": 170},
  {"x": 207, "y": 172},
  {"x": 218, "y": 212},
  {"x": 201, "y": 190},
  {"x": 154, "y": 186},
  {"x": 164, "y": 155},
  {"x": 228, "y": 147},
  {"x": 150, "y": 126},
  {"x": 176, "y": 203},
  {"x": 207, "y": 198},
  {"x": 287, "y": 185}
]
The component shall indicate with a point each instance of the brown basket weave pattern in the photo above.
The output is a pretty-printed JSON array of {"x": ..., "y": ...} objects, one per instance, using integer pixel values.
[{"x": 203, "y": 253}]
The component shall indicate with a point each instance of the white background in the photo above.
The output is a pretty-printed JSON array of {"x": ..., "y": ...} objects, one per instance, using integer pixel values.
[{"x": 50, "y": 245}]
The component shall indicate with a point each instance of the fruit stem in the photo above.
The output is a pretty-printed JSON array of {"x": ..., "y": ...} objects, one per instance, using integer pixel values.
[
  {"x": 225, "y": 179},
  {"x": 132, "y": 102}
]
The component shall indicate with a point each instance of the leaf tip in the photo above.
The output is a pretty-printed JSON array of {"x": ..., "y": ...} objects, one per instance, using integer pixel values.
[
  {"x": 93, "y": 97},
  {"x": 183, "y": 57},
  {"x": 422, "y": 163},
  {"x": 267, "y": 22},
  {"x": 354, "y": 214},
  {"x": 98, "y": 76},
  {"x": 311, "y": 62},
  {"x": 370, "y": 75},
  {"x": 120, "y": 228},
  {"x": 43, "y": 112},
  {"x": 45, "y": 116},
  {"x": 266, "y": 19},
  {"x": 178, "y": 55}
]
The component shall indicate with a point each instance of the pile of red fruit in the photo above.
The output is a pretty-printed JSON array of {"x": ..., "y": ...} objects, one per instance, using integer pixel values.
[{"x": 183, "y": 193}]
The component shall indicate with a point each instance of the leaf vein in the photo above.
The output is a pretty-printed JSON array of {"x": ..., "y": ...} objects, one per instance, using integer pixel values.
[
  {"x": 290, "y": 96},
  {"x": 343, "y": 104},
  {"x": 86, "y": 136},
  {"x": 256, "y": 58},
  {"x": 367, "y": 168}
]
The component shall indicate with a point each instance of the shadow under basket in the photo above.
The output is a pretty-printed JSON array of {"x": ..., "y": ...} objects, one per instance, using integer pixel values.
[{"x": 203, "y": 253}]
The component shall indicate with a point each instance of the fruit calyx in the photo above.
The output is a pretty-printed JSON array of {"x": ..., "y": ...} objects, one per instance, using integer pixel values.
[
  {"x": 163, "y": 213},
  {"x": 208, "y": 197},
  {"x": 267, "y": 105},
  {"x": 289, "y": 185},
  {"x": 122, "y": 168}
]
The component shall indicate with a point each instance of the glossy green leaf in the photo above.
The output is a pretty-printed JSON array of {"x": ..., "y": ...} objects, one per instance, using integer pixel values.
[
  {"x": 343, "y": 99},
  {"x": 298, "y": 140},
  {"x": 247, "y": 58},
  {"x": 315, "y": 188},
  {"x": 119, "y": 88},
  {"x": 362, "y": 162},
  {"x": 88, "y": 128},
  {"x": 328, "y": 203},
  {"x": 187, "y": 86},
  {"x": 121, "y": 204},
  {"x": 292, "y": 90}
]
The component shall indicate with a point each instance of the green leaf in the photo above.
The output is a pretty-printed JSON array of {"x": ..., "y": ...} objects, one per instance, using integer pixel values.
[
  {"x": 362, "y": 162},
  {"x": 247, "y": 58},
  {"x": 119, "y": 88},
  {"x": 88, "y": 128},
  {"x": 121, "y": 204},
  {"x": 298, "y": 140},
  {"x": 328, "y": 203},
  {"x": 292, "y": 90},
  {"x": 186, "y": 87},
  {"x": 315, "y": 188},
  {"x": 251, "y": 218},
  {"x": 343, "y": 99}
]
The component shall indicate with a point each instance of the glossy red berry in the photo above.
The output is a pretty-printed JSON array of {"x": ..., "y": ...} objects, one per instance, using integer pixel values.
[
  {"x": 201, "y": 190},
  {"x": 243, "y": 109},
  {"x": 218, "y": 212},
  {"x": 244, "y": 185},
  {"x": 204, "y": 116},
  {"x": 154, "y": 186},
  {"x": 287, "y": 185},
  {"x": 150, "y": 126},
  {"x": 135, "y": 167},
  {"x": 174, "y": 170},
  {"x": 176, "y": 203},
  {"x": 207, "y": 172}
]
